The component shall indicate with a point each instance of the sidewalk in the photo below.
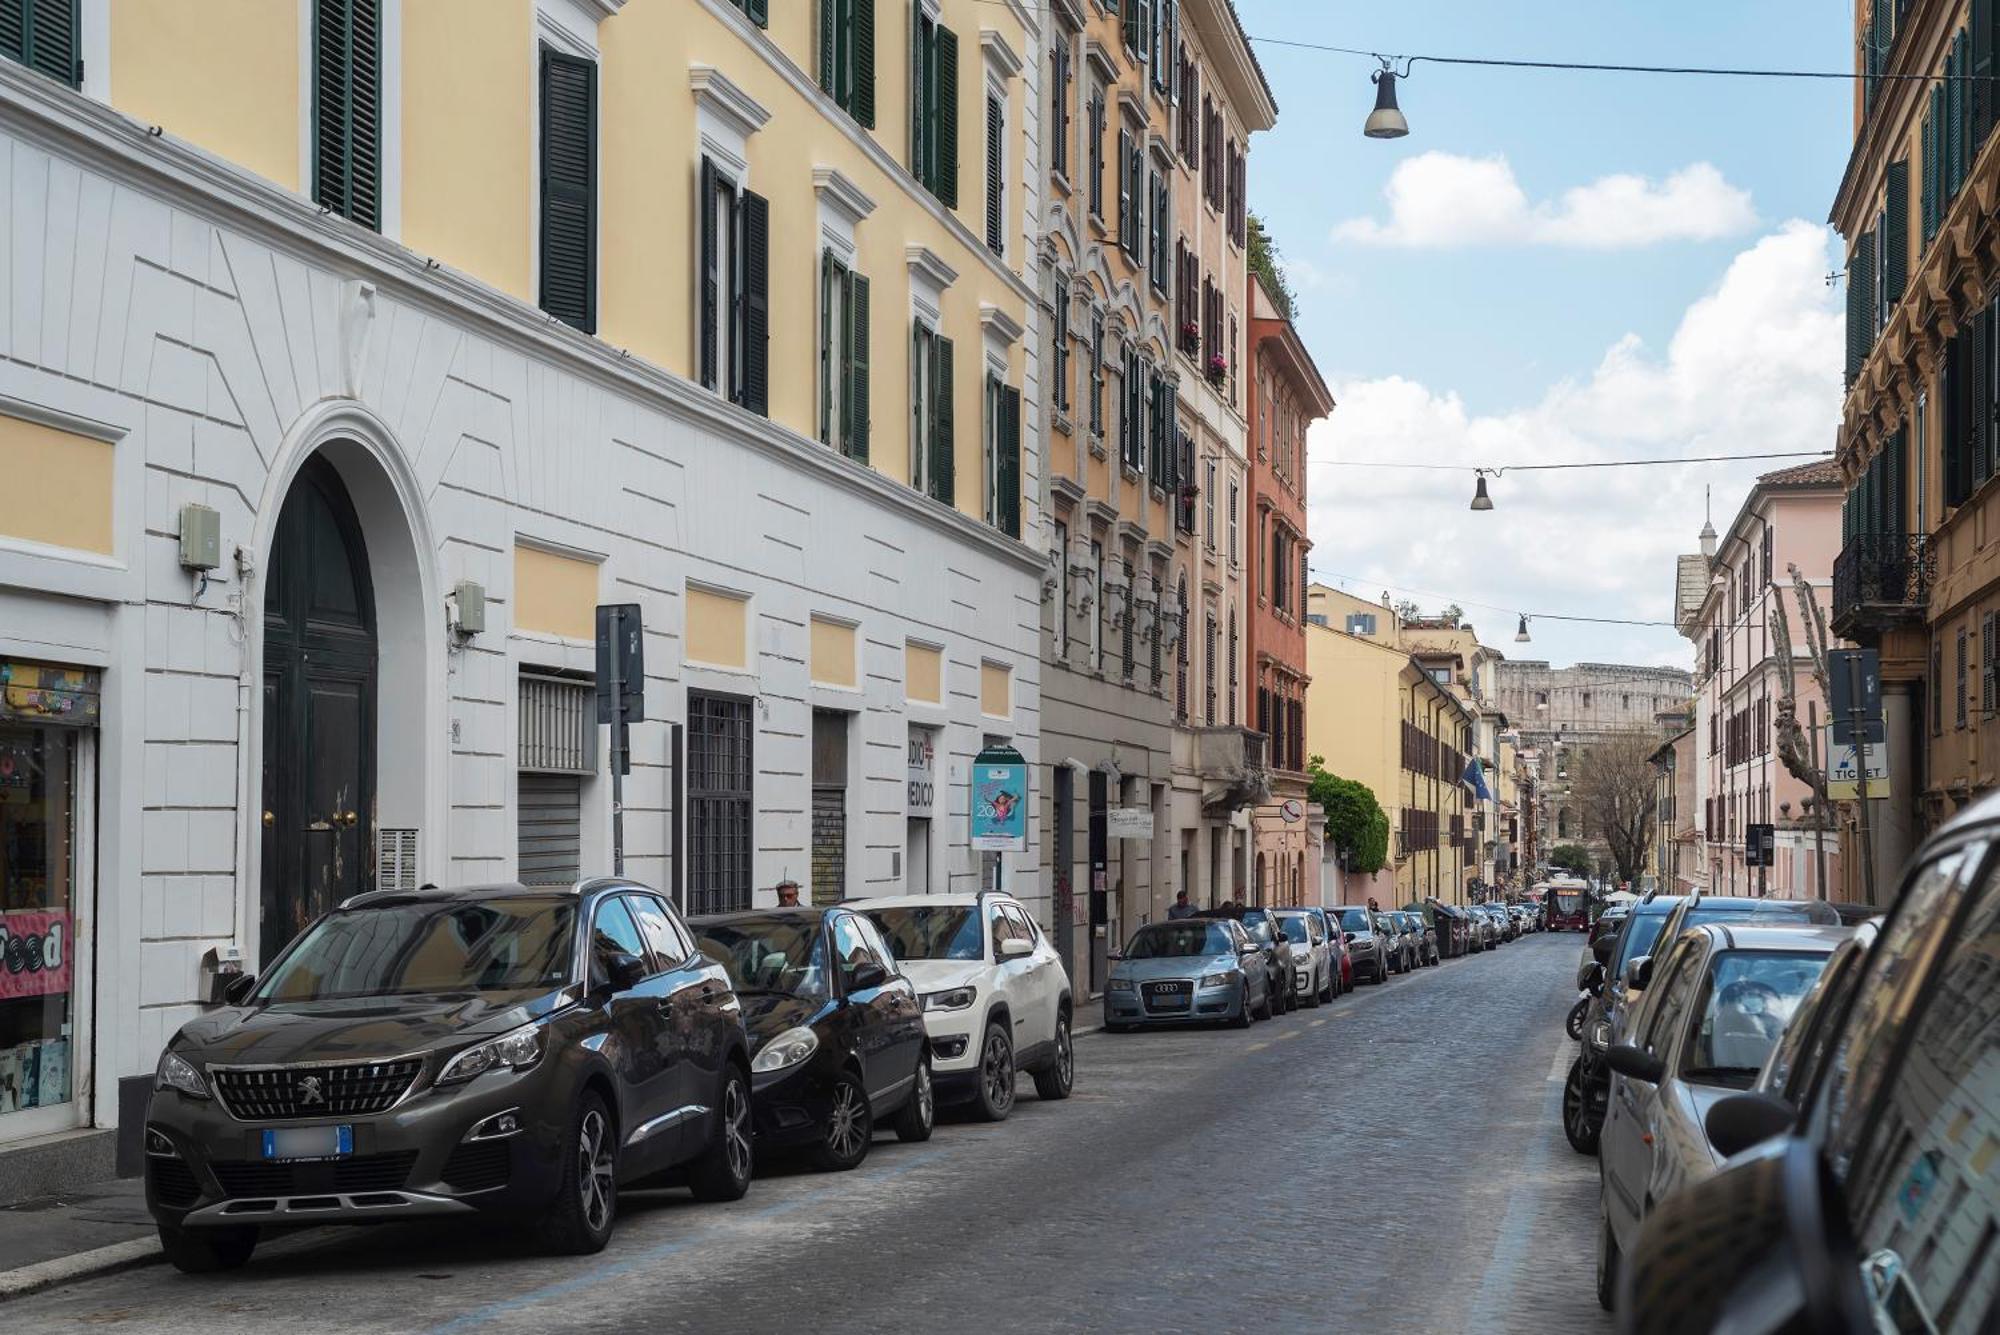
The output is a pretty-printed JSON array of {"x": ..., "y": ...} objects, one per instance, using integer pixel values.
[{"x": 90, "y": 1231}]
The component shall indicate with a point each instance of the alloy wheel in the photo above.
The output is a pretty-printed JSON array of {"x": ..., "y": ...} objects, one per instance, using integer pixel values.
[
  {"x": 925, "y": 1096},
  {"x": 997, "y": 1070},
  {"x": 595, "y": 1185},
  {"x": 1065, "y": 1058},
  {"x": 736, "y": 1129},
  {"x": 844, "y": 1124}
]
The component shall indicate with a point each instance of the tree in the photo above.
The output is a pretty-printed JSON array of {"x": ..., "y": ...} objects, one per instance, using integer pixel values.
[
  {"x": 1572, "y": 858},
  {"x": 1616, "y": 792},
  {"x": 1268, "y": 263},
  {"x": 1355, "y": 821}
]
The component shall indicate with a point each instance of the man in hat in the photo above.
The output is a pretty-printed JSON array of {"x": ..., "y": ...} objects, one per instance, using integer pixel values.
[{"x": 788, "y": 893}]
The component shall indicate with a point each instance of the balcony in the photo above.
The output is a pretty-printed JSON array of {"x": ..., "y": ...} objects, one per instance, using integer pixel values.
[
  {"x": 1234, "y": 767},
  {"x": 1881, "y": 582}
]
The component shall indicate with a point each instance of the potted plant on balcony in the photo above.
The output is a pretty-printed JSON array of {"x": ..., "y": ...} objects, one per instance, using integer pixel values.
[
  {"x": 1218, "y": 368},
  {"x": 1190, "y": 338}
]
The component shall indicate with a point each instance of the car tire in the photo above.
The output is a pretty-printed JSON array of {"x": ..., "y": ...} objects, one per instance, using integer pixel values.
[
  {"x": 1608, "y": 1260},
  {"x": 850, "y": 1126},
  {"x": 918, "y": 1115},
  {"x": 1243, "y": 1017},
  {"x": 1313, "y": 999},
  {"x": 993, "y": 1096},
  {"x": 1058, "y": 1078},
  {"x": 1573, "y": 1026},
  {"x": 1269, "y": 1006},
  {"x": 1579, "y": 1124},
  {"x": 204, "y": 1251},
  {"x": 724, "y": 1169},
  {"x": 580, "y": 1218}
]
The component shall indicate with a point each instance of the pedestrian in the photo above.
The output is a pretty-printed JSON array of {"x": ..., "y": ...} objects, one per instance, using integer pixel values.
[
  {"x": 788, "y": 893},
  {"x": 1181, "y": 907}
]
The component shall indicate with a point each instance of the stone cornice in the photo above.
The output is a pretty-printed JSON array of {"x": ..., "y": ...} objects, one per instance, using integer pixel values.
[
  {"x": 1000, "y": 54},
  {"x": 928, "y": 264},
  {"x": 715, "y": 91},
  {"x": 838, "y": 191},
  {"x": 1000, "y": 323}
]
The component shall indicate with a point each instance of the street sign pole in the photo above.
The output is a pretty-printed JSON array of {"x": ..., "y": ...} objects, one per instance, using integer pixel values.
[
  {"x": 621, "y": 700},
  {"x": 1819, "y": 808},
  {"x": 618, "y": 743},
  {"x": 1857, "y": 717}
]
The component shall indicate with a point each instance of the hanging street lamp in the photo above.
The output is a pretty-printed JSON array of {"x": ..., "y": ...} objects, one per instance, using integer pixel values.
[{"x": 1386, "y": 121}]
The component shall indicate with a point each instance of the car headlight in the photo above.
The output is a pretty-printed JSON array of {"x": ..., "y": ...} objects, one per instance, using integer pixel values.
[
  {"x": 1119, "y": 985},
  {"x": 787, "y": 1049},
  {"x": 518, "y": 1048},
  {"x": 1600, "y": 1034},
  {"x": 1217, "y": 979},
  {"x": 174, "y": 1072},
  {"x": 951, "y": 999}
]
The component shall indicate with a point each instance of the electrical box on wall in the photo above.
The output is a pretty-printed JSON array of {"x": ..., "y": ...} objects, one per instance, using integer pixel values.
[
  {"x": 201, "y": 537},
  {"x": 471, "y": 600}
]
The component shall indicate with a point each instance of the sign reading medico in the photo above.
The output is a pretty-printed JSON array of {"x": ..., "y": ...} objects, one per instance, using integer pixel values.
[
  {"x": 923, "y": 774},
  {"x": 1000, "y": 800}
]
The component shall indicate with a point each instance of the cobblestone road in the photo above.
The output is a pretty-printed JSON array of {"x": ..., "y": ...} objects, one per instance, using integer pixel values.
[{"x": 1390, "y": 1163}]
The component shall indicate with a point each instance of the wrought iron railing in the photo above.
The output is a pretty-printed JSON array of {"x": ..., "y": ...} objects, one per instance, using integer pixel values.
[{"x": 1880, "y": 580}]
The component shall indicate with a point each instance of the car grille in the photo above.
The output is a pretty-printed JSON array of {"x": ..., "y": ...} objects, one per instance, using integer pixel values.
[
  {"x": 479, "y": 1166},
  {"x": 1175, "y": 995},
  {"x": 366, "y": 1172},
  {"x": 173, "y": 1182},
  {"x": 273, "y": 1095}
]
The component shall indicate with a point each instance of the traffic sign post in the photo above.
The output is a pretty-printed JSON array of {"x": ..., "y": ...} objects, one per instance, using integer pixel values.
[
  {"x": 1760, "y": 850},
  {"x": 621, "y": 701},
  {"x": 1856, "y": 678}
]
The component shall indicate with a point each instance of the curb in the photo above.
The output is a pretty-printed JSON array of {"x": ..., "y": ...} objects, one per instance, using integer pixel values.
[{"x": 118, "y": 1256}]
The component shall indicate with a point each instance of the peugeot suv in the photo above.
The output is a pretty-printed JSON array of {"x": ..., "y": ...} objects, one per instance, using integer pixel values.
[
  {"x": 494, "y": 1050},
  {"x": 995, "y": 994}
]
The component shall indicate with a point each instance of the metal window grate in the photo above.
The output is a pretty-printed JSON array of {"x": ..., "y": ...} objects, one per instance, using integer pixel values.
[
  {"x": 558, "y": 725},
  {"x": 720, "y": 737},
  {"x": 395, "y": 859}
]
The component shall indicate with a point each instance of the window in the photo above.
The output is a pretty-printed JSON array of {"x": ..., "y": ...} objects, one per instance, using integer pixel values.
[
  {"x": 1208, "y": 655},
  {"x": 734, "y": 270},
  {"x": 931, "y": 426},
  {"x": 1186, "y": 131},
  {"x": 347, "y": 99},
  {"x": 1162, "y": 231},
  {"x": 1280, "y": 563},
  {"x": 1060, "y": 74},
  {"x": 934, "y": 107},
  {"x": 1937, "y": 688},
  {"x": 1361, "y": 623},
  {"x": 568, "y": 241},
  {"x": 1095, "y": 129},
  {"x": 1208, "y": 505},
  {"x": 847, "y": 56},
  {"x": 1162, "y": 459},
  {"x": 1235, "y": 490},
  {"x": 1125, "y": 618},
  {"x": 1061, "y": 349},
  {"x": 843, "y": 357},
  {"x": 45, "y": 35},
  {"x": 1229, "y": 354},
  {"x": 1003, "y": 456},
  {"x": 1959, "y": 718},
  {"x": 1770, "y": 543},
  {"x": 1061, "y": 636},
  {"x": 1166, "y": 37},
  {"x": 1097, "y": 605},
  {"x": 1233, "y": 656},
  {"x": 759, "y": 11},
  {"x": 1138, "y": 28},
  {"x": 1181, "y": 651},
  {"x": 1131, "y": 197},
  {"x": 719, "y": 795},
  {"x": 1234, "y": 181},
  {"x": 1097, "y": 373},
  {"x": 1211, "y": 153},
  {"x": 996, "y": 175},
  {"x": 613, "y": 933},
  {"x": 669, "y": 947}
]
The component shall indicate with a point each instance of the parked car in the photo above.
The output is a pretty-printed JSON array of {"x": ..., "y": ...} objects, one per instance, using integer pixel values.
[
  {"x": 1423, "y": 940},
  {"x": 837, "y": 1041},
  {"x": 442, "y": 1054},
  {"x": 996, "y": 997},
  {"x": 1336, "y": 944},
  {"x": 1370, "y": 949},
  {"x": 1402, "y": 952},
  {"x": 1607, "y": 922},
  {"x": 1188, "y": 969},
  {"x": 1525, "y": 919},
  {"x": 1510, "y": 926},
  {"x": 1721, "y": 998},
  {"x": 1871, "y": 1204},
  {"x": 1793, "y": 1063},
  {"x": 1313, "y": 965},
  {"x": 1261, "y": 925}
]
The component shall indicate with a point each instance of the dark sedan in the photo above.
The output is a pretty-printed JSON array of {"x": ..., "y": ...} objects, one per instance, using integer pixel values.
[
  {"x": 1263, "y": 928},
  {"x": 836, "y": 1031},
  {"x": 449, "y": 1053}
]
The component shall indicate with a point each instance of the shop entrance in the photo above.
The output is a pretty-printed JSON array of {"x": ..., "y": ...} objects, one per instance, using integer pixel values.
[{"x": 319, "y": 709}]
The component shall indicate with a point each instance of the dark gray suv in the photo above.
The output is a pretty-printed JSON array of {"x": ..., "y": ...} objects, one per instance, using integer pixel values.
[{"x": 493, "y": 1050}]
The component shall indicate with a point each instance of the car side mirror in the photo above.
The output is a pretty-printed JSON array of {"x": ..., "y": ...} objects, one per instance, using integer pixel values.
[
  {"x": 865, "y": 976},
  {"x": 1791, "y": 1262},
  {"x": 1635, "y": 1062},
  {"x": 1738, "y": 1121},
  {"x": 1114, "y": 954},
  {"x": 624, "y": 971},
  {"x": 1639, "y": 974},
  {"x": 1014, "y": 947},
  {"x": 238, "y": 989}
]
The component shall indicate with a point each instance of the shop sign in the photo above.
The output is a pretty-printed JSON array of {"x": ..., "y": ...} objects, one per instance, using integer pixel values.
[
  {"x": 1000, "y": 800},
  {"x": 34, "y": 953},
  {"x": 922, "y": 774},
  {"x": 35, "y": 693}
]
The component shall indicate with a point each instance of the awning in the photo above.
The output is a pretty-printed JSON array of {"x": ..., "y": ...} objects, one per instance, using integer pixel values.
[{"x": 38, "y": 693}]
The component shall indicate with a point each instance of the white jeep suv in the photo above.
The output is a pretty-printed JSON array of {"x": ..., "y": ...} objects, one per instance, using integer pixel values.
[{"x": 996, "y": 997}]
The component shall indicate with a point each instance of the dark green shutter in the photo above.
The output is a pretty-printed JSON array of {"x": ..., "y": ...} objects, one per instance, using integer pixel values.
[
  {"x": 1896, "y": 240},
  {"x": 831, "y": 381},
  {"x": 347, "y": 103},
  {"x": 829, "y": 26},
  {"x": 1981, "y": 71},
  {"x": 920, "y": 50},
  {"x": 861, "y": 47},
  {"x": 947, "y": 117},
  {"x": 1978, "y": 416},
  {"x": 857, "y": 367},
  {"x": 44, "y": 35},
  {"x": 944, "y": 440},
  {"x": 1928, "y": 189},
  {"x": 759, "y": 12},
  {"x": 1126, "y": 231},
  {"x": 1008, "y": 511},
  {"x": 1860, "y": 290},
  {"x": 996, "y": 240},
  {"x": 1954, "y": 97},
  {"x": 756, "y": 302},
  {"x": 710, "y": 297},
  {"x": 569, "y": 194}
]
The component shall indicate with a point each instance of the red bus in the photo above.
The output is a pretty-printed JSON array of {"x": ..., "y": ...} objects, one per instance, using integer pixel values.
[{"x": 1567, "y": 906}]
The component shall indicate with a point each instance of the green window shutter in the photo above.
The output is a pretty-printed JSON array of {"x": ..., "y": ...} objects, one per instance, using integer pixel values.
[
  {"x": 1125, "y": 228},
  {"x": 756, "y": 302},
  {"x": 996, "y": 147},
  {"x": 919, "y": 90},
  {"x": 944, "y": 437},
  {"x": 569, "y": 193},
  {"x": 829, "y": 25},
  {"x": 1857, "y": 307},
  {"x": 1928, "y": 187},
  {"x": 44, "y": 35},
  {"x": 1896, "y": 240},
  {"x": 1954, "y": 97},
  {"x": 947, "y": 117},
  {"x": 1010, "y": 461},
  {"x": 346, "y": 113},
  {"x": 861, "y": 51},
  {"x": 1981, "y": 60},
  {"x": 759, "y": 12},
  {"x": 857, "y": 367},
  {"x": 830, "y": 379},
  {"x": 1978, "y": 390},
  {"x": 710, "y": 296}
]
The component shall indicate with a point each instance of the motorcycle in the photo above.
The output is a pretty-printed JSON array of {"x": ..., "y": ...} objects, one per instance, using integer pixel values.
[{"x": 1574, "y": 1025}]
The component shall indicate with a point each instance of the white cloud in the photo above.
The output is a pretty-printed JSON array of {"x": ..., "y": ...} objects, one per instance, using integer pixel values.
[
  {"x": 1445, "y": 200},
  {"x": 1753, "y": 367}
]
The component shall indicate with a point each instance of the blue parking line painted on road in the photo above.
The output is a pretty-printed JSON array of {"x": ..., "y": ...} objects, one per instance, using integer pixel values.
[{"x": 597, "y": 1274}]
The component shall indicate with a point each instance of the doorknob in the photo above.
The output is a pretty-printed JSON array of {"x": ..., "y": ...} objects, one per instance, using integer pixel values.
[
  {"x": 346, "y": 818},
  {"x": 270, "y": 818}
]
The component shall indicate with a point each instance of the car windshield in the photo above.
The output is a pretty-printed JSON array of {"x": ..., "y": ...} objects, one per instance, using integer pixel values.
[
  {"x": 1295, "y": 927},
  {"x": 784, "y": 955},
  {"x": 1763, "y": 912},
  {"x": 448, "y": 945},
  {"x": 1354, "y": 920},
  {"x": 1747, "y": 1000},
  {"x": 1178, "y": 940},
  {"x": 1569, "y": 901},
  {"x": 932, "y": 932}
]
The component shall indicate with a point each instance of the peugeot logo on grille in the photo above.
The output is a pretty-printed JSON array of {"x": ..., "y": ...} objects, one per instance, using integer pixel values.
[{"x": 309, "y": 1090}]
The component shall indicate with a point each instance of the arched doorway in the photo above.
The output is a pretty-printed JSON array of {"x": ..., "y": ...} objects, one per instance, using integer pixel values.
[{"x": 320, "y": 669}]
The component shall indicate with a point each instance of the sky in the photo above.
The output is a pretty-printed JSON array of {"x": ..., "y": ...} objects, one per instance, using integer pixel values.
[{"x": 1555, "y": 266}]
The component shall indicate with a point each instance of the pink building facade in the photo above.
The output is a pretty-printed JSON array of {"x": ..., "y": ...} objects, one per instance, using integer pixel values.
[{"x": 1791, "y": 518}]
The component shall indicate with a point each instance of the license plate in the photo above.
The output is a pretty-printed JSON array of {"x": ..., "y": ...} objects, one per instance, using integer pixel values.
[{"x": 309, "y": 1142}]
